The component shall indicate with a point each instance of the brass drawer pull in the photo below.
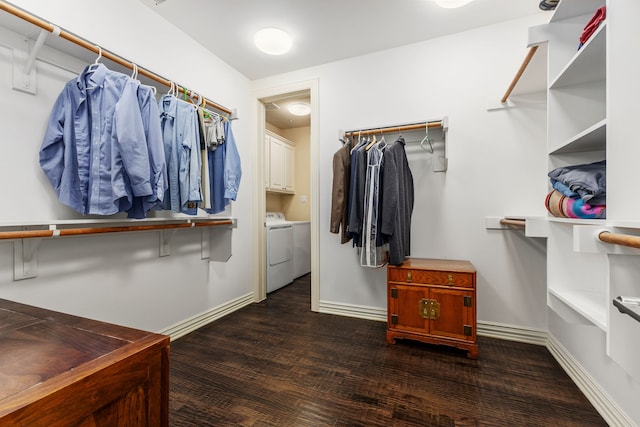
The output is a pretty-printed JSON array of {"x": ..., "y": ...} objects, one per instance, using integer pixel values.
[
  {"x": 409, "y": 278},
  {"x": 450, "y": 277}
]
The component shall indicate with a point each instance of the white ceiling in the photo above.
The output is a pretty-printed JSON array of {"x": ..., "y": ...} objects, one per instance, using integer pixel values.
[{"x": 325, "y": 30}]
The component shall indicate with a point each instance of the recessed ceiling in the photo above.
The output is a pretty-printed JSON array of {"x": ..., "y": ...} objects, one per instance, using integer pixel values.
[{"x": 325, "y": 30}]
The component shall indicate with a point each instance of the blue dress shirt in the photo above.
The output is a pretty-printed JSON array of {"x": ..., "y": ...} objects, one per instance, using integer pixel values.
[
  {"x": 232, "y": 167},
  {"x": 153, "y": 136},
  {"x": 95, "y": 138},
  {"x": 182, "y": 153}
]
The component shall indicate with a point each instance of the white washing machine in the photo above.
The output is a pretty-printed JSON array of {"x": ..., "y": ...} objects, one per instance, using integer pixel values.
[{"x": 279, "y": 251}]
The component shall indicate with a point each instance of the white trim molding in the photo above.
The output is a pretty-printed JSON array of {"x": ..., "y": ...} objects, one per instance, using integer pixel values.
[
  {"x": 350, "y": 310},
  {"x": 512, "y": 333},
  {"x": 186, "y": 326},
  {"x": 601, "y": 401}
]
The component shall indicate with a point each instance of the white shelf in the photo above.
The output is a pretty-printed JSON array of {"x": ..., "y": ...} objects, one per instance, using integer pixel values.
[
  {"x": 588, "y": 64},
  {"x": 594, "y": 138},
  {"x": 592, "y": 306},
  {"x": 576, "y": 221},
  {"x": 570, "y": 8}
]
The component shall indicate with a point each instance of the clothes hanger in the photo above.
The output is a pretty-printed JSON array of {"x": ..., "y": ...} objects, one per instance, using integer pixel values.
[
  {"x": 355, "y": 147},
  {"x": 371, "y": 143},
  {"x": 426, "y": 140},
  {"x": 172, "y": 88},
  {"x": 134, "y": 73},
  {"x": 96, "y": 64}
]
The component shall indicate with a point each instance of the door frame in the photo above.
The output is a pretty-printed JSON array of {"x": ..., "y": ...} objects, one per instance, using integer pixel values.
[{"x": 259, "y": 238}]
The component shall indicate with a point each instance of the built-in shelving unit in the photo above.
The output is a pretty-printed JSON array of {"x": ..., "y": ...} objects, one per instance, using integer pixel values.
[{"x": 577, "y": 282}]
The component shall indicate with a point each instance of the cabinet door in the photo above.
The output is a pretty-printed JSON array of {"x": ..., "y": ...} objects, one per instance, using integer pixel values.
[
  {"x": 288, "y": 162},
  {"x": 404, "y": 308},
  {"x": 455, "y": 319},
  {"x": 267, "y": 161},
  {"x": 276, "y": 173}
]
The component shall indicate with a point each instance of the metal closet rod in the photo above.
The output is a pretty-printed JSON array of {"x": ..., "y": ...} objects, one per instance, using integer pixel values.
[
  {"x": 27, "y": 234},
  {"x": 26, "y": 16},
  {"x": 391, "y": 129},
  {"x": 619, "y": 239}
]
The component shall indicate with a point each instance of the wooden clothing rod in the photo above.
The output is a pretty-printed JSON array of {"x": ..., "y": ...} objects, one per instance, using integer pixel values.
[
  {"x": 620, "y": 239},
  {"x": 515, "y": 222},
  {"x": 26, "y": 234},
  {"x": 525, "y": 63},
  {"x": 391, "y": 129},
  {"x": 93, "y": 48}
]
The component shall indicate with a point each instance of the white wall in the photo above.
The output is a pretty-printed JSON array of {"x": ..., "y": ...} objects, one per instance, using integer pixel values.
[
  {"x": 492, "y": 157},
  {"x": 119, "y": 278}
]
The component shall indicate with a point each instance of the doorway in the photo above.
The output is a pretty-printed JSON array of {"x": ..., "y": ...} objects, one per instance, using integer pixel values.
[{"x": 299, "y": 203}]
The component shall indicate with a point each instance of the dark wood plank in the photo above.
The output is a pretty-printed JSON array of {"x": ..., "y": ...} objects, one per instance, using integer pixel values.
[{"x": 278, "y": 364}]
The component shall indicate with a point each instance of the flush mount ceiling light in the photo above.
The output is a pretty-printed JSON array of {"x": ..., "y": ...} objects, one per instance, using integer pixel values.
[
  {"x": 451, "y": 4},
  {"x": 273, "y": 41},
  {"x": 299, "y": 109}
]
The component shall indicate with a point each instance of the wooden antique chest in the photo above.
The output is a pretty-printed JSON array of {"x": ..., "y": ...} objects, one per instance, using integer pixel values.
[
  {"x": 63, "y": 370},
  {"x": 433, "y": 301}
]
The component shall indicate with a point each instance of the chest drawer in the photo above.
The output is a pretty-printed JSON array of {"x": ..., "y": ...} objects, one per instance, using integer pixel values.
[{"x": 427, "y": 277}]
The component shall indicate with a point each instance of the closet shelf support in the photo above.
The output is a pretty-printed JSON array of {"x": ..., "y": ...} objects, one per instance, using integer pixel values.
[{"x": 93, "y": 48}]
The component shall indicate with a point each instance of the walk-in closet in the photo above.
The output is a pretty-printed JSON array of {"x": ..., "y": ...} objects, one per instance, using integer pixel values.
[{"x": 237, "y": 213}]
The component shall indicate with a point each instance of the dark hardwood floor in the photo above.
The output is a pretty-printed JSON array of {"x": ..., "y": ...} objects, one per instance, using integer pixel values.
[{"x": 278, "y": 364}]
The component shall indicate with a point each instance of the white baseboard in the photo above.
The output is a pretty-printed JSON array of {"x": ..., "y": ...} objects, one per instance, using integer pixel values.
[
  {"x": 512, "y": 333},
  {"x": 600, "y": 400},
  {"x": 350, "y": 310},
  {"x": 199, "y": 320},
  {"x": 604, "y": 404}
]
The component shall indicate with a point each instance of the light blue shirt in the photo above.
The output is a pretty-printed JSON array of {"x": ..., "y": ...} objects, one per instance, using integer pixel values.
[
  {"x": 232, "y": 166},
  {"x": 153, "y": 136},
  {"x": 95, "y": 138},
  {"x": 179, "y": 124}
]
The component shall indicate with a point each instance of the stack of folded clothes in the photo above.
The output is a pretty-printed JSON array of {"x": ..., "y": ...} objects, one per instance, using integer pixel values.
[{"x": 578, "y": 191}]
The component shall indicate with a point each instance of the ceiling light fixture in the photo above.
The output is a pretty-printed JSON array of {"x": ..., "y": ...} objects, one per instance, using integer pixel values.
[
  {"x": 300, "y": 109},
  {"x": 451, "y": 4},
  {"x": 273, "y": 41}
]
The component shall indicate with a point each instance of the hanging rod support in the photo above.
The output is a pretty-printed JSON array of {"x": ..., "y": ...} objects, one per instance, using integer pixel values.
[{"x": 38, "y": 45}]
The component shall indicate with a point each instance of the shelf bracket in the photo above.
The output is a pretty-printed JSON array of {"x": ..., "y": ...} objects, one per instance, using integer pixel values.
[
  {"x": 220, "y": 242},
  {"x": 25, "y": 258},
  {"x": 165, "y": 241},
  {"x": 24, "y": 59}
]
